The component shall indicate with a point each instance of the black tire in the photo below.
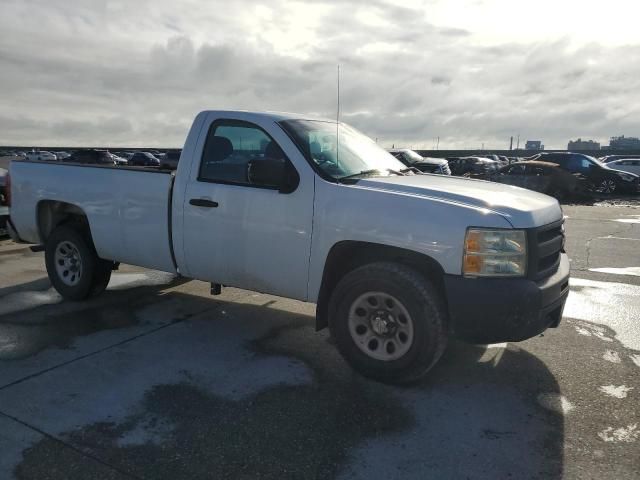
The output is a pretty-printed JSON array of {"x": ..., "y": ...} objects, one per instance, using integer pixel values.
[
  {"x": 420, "y": 299},
  {"x": 101, "y": 277},
  {"x": 92, "y": 277}
]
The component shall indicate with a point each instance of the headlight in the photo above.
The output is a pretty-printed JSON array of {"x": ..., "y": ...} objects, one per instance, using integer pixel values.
[
  {"x": 627, "y": 178},
  {"x": 494, "y": 253}
]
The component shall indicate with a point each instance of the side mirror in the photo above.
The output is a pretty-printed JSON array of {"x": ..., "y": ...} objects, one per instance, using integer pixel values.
[{"x": 273, "y": 172}]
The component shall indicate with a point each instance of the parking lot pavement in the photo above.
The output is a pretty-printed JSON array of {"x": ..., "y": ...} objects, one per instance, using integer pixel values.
[{"x": 157, "y": 379}]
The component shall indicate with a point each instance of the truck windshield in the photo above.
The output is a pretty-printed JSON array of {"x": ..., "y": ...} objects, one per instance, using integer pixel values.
[{"x": 353, "y": 155}]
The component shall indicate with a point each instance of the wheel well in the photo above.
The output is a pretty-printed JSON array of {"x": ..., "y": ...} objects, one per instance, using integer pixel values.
[
  {"x": 52, "y": 213},
  {"x": 348, "y": 255}
]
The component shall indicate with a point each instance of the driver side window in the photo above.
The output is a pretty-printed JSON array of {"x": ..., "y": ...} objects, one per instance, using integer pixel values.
[
  {"x": 578, "y": 164},
  {"x": 231, "y": 150}
]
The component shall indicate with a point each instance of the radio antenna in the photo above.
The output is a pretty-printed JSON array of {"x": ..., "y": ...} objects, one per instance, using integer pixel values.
[{"x": 338, "y": 120}]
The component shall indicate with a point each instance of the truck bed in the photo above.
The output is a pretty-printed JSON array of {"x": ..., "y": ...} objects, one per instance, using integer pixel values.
[{"x": 128, "y": 208}]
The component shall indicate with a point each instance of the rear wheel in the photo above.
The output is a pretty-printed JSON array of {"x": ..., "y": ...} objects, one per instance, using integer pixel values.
[
  {"x": 74, "y": 268},
  {"x": 388, "y": 322}
]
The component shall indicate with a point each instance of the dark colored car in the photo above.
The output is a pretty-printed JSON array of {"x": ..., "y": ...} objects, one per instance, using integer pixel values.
[
  {"x": 611, "y": 158},
  {"x": 425, "y": 164},
  {"x": 170, "y": 159},
  {"x": 472, "y": 165},
  {"x": 90, "y": 156},
  {"x": 596, "y": 176},
  {"x": 144, "y": 159},
  {"x": 543, "y": 177},
  {"x": 4, "y": 209},
  {"x": 3, "y": 185}
]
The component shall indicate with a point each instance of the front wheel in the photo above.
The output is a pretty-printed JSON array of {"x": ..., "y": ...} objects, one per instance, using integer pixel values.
[
  {"x": 74, "y": 268},
  {"x": 389, "y": 322}
]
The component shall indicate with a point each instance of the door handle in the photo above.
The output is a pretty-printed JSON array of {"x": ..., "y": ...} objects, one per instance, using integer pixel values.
[{"x": 203, "y": 202}]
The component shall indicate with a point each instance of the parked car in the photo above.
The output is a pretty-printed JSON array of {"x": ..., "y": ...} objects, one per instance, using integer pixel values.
[
  {"x": 461, "y": 166},
  {"x": 117, "y": 160},
  {"x": 144, "y": 159},
  {"x": 42, "y": 155},
  {"x": 126, "y": 155},
  {"x": 543, "y": 177},
  {"x": 62, "y": 155},
  {"x": 611, "y": 158},
  {"x": 91, "y": 156},
  {"x": 3, "y": 187},
  {"x": 631, "y": 165},
  {"x": 4, "y": 201},
  {"x": 413, "y": 159},
  {"x": 502, "y": 160},
  {"x": 170, "y": 159},
  {"x": 597, "y": 176},
  {"x": 396, "y": 263}
]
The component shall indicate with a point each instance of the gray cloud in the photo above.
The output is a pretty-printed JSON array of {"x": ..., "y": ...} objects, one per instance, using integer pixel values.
[{"x": 135, "y": 73}]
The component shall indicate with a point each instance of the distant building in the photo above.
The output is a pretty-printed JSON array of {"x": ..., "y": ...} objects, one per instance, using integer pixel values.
[
  {"x": 534, "y": 145},
  {"x": 624, "y": 143},
  {"x": 580, "y": 144}
]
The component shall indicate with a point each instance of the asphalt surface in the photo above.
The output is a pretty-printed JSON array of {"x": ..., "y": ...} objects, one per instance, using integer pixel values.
[{"x": 157, "y": 379}]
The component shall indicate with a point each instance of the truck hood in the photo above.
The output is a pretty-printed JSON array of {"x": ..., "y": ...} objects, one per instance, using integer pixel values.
[{"x": 520, "y": 207}]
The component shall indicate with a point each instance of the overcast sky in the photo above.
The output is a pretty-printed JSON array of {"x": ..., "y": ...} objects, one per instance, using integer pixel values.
[{"x": 469, "y": 71}]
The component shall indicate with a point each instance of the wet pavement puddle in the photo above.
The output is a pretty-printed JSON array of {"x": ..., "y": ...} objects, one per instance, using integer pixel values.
[
  {"x": 633, "y": 271},
  {"x": 615, "y": 305},
  {"x": 23, "y": 340}
]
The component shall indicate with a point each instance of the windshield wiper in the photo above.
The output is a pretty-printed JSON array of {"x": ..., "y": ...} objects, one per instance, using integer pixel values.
[
  {"x": 362, "y": 173},
  {"x": 402, "y": 172},
  {"x": 370, "y": 172}
]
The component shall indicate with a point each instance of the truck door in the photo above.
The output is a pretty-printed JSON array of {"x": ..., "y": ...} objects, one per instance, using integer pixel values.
[{"x": 240, "y": 229}]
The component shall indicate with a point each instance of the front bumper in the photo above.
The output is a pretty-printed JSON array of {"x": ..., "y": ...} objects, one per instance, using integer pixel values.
[{"x": 492, "y": 310}]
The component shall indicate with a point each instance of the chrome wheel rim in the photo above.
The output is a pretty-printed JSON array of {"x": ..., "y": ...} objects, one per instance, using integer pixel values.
[
  {"x": 381, "y": 326},
  {"x": 607, "y": 186},
  {"x": 68, "y": 263}
]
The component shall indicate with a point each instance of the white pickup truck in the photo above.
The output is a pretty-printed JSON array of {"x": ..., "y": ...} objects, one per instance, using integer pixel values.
[{"x": 396, "y": 261}]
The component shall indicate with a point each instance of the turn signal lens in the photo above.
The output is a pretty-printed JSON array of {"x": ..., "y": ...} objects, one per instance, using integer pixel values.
[{"x": 472, "y": 264}]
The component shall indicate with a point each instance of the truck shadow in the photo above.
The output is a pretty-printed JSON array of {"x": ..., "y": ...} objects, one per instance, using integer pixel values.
[{"x": 475, "y": 416}]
